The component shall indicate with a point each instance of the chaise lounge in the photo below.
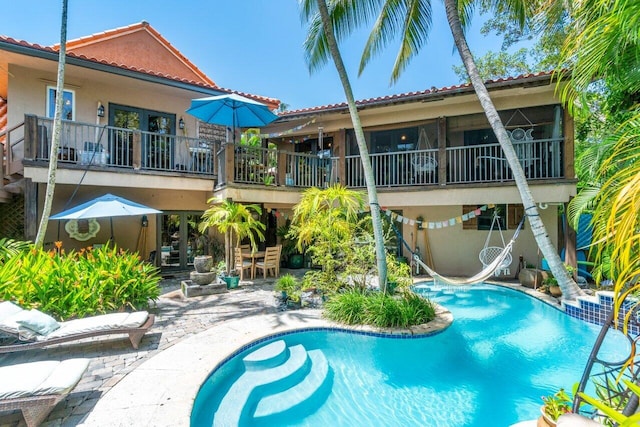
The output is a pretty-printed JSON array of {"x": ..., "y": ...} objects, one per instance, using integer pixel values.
[
  {"x": 36, "y": 388},
  {"x": 30, "y": 329}
]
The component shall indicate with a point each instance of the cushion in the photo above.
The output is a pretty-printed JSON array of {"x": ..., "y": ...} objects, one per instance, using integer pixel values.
[
  {"x": 7, "y": 309},
  {"x": 103, "y": 322},
  {"x": 35, "y": 321},
  {"x": 40, "y": 378}
]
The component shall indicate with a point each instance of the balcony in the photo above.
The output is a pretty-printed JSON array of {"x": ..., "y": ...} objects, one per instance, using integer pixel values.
[{"x": 108, "y": 148}]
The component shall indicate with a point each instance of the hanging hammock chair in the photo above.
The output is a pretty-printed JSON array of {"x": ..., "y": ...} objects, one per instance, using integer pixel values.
[{"x": 489, "y": 254}]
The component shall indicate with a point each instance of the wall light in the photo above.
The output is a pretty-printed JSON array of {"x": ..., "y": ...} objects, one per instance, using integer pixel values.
[
  {"x": 100, "y": 109},
  {"x": 181, "y": 123},
  {"x": 420, "y": 222}
]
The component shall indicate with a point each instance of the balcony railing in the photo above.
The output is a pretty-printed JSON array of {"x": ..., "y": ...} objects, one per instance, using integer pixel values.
[
  {"x": 88, "y": 144},
  {"x": 106, "y": 146}
]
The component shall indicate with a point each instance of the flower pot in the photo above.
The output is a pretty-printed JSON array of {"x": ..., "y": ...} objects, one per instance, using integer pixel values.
[
  {"x": 232, "y": 281},
  {"x": 545, "y": 420},
  {"x": 203, "y": 263},
  {"x": 296, "y": 261},
  {"x": 555, "y": 291}
]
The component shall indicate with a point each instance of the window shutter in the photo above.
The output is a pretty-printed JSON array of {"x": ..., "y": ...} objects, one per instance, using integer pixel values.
[{"x": 471, "y": 223}]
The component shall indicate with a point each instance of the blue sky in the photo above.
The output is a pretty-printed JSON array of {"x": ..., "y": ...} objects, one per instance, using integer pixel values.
[{"x": 253, "y": 46}]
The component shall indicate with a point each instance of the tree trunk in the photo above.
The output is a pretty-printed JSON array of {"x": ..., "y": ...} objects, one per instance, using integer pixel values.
[
  {"x": 55, "y": 139},
  {"x": 372, "y": 192},
  {"x": 569, "y": 288}
]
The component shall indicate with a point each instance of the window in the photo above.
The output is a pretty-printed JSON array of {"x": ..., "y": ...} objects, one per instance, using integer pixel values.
[
  {"x": 509, "y": 217},
  {"x": 68, "y": 103}
]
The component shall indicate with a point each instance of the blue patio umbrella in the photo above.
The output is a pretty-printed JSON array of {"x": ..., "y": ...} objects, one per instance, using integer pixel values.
[
  {"x": 106, "y": 206},
  {"x": 231, "y": 110}
]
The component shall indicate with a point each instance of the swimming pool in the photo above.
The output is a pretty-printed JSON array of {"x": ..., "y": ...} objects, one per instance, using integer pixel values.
[{"x": 503, "y": 351}]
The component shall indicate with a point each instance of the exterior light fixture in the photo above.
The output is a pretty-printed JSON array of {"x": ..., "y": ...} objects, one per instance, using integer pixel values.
[
  {"x": 420, "y": 222},
  {"x": 181, "y": 123},
  {"x": 100, "y": 110}
]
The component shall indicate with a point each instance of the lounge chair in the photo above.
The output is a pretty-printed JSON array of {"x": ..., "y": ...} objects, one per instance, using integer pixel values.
[
  {"x": 34, "y": 329},
  {"x": 35, "y": 388}
]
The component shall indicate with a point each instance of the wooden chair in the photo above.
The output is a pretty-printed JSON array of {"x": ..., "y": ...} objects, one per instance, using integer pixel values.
[
  {"x": 245, "y": 248},
  {"x": 241, "y": 264},
  {"x": 271, "y": 262}
]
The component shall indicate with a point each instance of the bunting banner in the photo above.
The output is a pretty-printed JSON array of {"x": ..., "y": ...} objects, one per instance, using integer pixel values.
[{"x": 438, "y": 224}]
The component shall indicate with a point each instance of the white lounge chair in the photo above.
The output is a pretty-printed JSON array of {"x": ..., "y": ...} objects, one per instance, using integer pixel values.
[
  {"x": 35, "y": 388},
  {"x": 34, "y": 329}
]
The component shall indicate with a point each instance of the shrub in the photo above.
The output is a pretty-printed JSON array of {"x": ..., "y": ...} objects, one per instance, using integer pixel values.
[
  {"x": 356, "y": 306},
  {"x": 78, "y": 284},
  {"x": 289, "y": 285},
  {"x": 347, "y": 307}
]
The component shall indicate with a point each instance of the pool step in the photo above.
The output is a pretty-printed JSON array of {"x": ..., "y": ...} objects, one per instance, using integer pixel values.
[
  {"x": 311, "y": 392},
  {"x": 269, "y": 356},
  {"x": 282, "y": 377}
]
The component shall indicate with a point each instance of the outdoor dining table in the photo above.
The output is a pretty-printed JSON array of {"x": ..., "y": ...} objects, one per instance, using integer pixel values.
[{"x": 254, "y": 257}]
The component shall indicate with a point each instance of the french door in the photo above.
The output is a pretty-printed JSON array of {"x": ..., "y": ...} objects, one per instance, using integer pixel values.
[
  {"x": 178, "y": 239},
  {"x": 157, "y": 136}
]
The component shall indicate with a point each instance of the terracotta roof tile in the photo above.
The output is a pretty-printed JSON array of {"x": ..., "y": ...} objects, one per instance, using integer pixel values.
[
  {"x": 272, "y": 102},
  {"x": 409, "y": 96}
]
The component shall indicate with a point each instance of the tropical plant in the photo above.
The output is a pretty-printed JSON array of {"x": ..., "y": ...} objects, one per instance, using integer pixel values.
[
  {"x": 290, "y": 286},
  {"x": 78, "y": 284},
  {"x": 233, "y": 220},
  {"x": 411, "y": 19},
  {"x": 55, "y": 139},
  {"x": 557, "y": 404},
  {"x": 10, "y": 248},
  {"x": 319, "y": 46}
]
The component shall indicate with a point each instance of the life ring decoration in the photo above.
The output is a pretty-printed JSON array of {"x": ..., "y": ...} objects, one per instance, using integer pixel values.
[{"x": 82, "y": 229}]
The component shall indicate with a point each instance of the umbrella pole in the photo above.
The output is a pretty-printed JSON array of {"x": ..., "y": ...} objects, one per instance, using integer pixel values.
[{"x": 111, "y": 222}]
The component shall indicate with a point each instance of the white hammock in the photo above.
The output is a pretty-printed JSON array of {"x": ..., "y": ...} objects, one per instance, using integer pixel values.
[{"x": 486, "y": 272}]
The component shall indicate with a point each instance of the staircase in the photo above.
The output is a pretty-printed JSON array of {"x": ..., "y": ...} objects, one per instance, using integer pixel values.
[
  {"x": 5, "y": 197},
  {"x": 278, "y": 382},
  {"x": 596, "y": 308}
]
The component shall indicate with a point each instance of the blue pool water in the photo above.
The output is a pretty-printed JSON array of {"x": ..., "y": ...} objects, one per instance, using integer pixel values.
[{"x": 503, "y": 352}]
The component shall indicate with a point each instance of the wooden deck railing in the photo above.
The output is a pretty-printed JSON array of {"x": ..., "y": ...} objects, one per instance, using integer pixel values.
[{"x": 106, "y": 146}]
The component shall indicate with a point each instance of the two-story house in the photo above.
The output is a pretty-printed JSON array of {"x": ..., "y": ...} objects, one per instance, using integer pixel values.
[{"x": 437, "y": 164}]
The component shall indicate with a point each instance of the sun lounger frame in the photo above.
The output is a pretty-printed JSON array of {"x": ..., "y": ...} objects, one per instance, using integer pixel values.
[
  {"x": 135, "y": 336},
  {"x": 35, "y": 409}
]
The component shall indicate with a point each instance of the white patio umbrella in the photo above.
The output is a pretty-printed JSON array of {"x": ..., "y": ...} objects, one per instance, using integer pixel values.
[{"x": 107, "y": 206}]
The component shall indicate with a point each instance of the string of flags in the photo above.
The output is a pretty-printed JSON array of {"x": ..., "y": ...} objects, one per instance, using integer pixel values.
[
  {"x": 410, "y": 221},
  {"x": 437, "y": 224}
]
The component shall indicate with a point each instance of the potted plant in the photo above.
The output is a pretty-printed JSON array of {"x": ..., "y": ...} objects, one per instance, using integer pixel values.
[
  {"x": 234, "y": 220},
  {"x": 289, "y": 288},
  {"x": 290, "y": 255},
  {"x": 554, "y": 406},
  {"x": 231, "y": 278}
]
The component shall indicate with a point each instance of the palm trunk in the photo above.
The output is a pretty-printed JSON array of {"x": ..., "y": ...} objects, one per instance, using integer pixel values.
[
  {"x": 570, "y": 289},
  {"x": 55, "y": 139},
  {"x": 372, "y": 192}
]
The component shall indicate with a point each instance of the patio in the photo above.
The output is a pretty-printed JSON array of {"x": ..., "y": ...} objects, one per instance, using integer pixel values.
[{"x": 177, "y": 320}]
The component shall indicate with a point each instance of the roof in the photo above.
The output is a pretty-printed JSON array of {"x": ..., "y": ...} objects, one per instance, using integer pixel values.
[
  {"x": 433, "y": 94},
  {"x": 83, "y": 52}
]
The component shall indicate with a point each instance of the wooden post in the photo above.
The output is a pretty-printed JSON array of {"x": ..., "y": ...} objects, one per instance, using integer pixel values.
[
  {"x": 282, "y": 167},
  {"x": 137, "y": 150},
  {"x": 340, "y": 151},
  {"x": 30, "y": 209},
  {"x": 31, "y": 140},
  {"x": 230, "y": 162},
  {"x": 569, "y": 169}
]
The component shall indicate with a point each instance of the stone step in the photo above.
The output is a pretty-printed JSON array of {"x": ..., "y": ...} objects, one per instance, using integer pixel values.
[
  {"x": 309, "y": 394},
  {"x": 238, "y": 405},
  {"x": 269, "y": 356}
]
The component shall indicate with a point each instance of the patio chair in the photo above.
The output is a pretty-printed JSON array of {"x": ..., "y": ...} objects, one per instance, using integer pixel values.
[
  {"x": 35, "y": 388},
  {"x": 271, "y": 262},
  {"x": 30, "y": 329},
  {"x": 241, "y": 264}
]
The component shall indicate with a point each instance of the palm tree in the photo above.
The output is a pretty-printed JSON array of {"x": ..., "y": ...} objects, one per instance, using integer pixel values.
[
  {"x": 55, "y": 139},
  {"x": 233, "y": 220},
  {"x": 412, "y": 20},
  {"x": 319, "y": 45}
]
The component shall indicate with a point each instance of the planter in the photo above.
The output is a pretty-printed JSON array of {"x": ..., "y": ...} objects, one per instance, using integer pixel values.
[
  {"x": 203, "y": 263},
  {"x": 555, "y": 291},
  {"x": 545, "y": 420},
  {"x": 296, "y": 261},
  {"x": 232, "y": 281}
]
